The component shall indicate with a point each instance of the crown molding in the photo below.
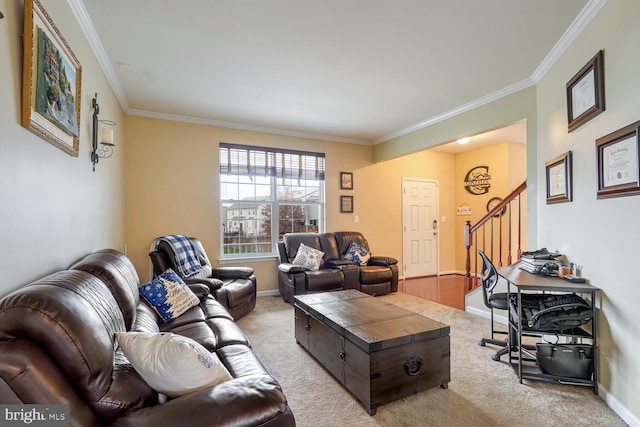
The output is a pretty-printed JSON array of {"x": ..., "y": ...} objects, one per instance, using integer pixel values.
[
  {"x": 243, "y": 126},
  {"x": 501, "y": 93},
  {"x": 584, "y": 17},
  {"x": 80, "y": 12},
  {"x": 576, "y": 27}
]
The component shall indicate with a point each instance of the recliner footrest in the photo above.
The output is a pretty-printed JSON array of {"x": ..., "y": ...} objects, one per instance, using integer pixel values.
[
  {"x": 324, "y": 280},
  {"x": 372, "y": 274}
]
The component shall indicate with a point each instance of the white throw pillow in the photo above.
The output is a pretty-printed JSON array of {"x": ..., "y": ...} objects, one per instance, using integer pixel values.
[
  {"x": 172, "y": 364},
  {"x": 309, "y": 258}
]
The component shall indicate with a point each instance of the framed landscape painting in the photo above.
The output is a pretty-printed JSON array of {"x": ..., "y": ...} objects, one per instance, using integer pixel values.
[{"x": 51, "y": 81}]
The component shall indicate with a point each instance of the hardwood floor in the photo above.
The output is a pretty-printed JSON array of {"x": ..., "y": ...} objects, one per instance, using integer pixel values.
[{"x": 447, "y": 290}]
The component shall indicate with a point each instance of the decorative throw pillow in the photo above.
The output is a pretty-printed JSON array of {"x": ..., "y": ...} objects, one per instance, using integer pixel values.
[
  {"x": 172, "y": 364},
  {"x": 357, "y": 254},
  {"x": 168, "y": 295},
  {"x": 309, "y": 258}
]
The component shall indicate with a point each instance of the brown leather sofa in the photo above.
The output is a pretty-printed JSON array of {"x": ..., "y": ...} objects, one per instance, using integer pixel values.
[
  {"x": 234, "y": 287},
  {"x": 378, "y": 277},
  {"x": 57, "y": 346}
]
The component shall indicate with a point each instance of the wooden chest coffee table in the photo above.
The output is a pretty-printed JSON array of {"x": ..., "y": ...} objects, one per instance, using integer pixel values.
[{"x": 379, "y": 351}]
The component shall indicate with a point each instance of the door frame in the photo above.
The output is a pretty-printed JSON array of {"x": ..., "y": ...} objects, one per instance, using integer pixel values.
[{"x": 437, "y": 215}]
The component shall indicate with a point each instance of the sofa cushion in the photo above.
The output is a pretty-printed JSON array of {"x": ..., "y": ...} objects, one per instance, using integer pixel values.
[
  {"x": 172, "y": 364},
  {"x": 357, "y": 254},
  {"x": 169, "y": 295},
  {"x": 292, "y": 242},
  {"x": 309, "y": 258}
]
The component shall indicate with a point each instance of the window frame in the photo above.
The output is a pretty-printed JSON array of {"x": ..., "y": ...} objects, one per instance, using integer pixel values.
[{"x": 278, "y": 178}]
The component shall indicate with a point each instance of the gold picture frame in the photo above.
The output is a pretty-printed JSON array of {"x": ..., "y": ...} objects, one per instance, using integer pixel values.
[{"x": 51, "y": 81}]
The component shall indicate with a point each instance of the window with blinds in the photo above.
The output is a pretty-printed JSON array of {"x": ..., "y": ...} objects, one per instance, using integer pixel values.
[{"x": 265, "y": 193}]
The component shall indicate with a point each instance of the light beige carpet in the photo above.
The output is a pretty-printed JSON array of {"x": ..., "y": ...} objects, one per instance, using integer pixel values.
[{"x": 482, "y": 392}]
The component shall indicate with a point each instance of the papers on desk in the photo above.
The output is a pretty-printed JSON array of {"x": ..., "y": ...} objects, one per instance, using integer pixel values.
[{"x": 540, "y": 262}]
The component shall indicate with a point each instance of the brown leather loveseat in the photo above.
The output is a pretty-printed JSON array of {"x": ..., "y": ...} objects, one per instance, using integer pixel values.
[
  {"x": 57, "y": 346},
  {"x": 378, "y": 277}
]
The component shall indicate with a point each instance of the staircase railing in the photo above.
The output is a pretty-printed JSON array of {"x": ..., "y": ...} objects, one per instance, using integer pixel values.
[{"x": 503, "y": 230}]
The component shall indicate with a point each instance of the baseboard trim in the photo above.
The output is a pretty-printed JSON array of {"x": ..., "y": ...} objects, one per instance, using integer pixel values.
[
  {"x": 618, "y": 407},
  {"x": 487, "y": 315},
  {"x": 271, "y": 293}
]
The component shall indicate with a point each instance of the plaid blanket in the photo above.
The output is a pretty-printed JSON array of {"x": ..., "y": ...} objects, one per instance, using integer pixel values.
[{"x": 186, "y": 258}]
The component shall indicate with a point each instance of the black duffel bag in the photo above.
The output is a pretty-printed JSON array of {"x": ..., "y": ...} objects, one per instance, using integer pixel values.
[{"x": 565, "y": 360}]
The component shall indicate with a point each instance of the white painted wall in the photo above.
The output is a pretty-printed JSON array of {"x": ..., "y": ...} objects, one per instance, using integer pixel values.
[
  {"x": 53, "y": 208},
  {"x": 600, "y": 235}
]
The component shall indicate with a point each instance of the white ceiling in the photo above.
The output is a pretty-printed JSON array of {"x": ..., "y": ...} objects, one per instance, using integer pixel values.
[
  {"x": 516, "y": 132},
  {"x": 359, "y": 71}
]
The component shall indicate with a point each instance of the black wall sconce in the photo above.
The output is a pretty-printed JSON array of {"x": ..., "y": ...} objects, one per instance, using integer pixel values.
[{"x": 106, "y": 137}]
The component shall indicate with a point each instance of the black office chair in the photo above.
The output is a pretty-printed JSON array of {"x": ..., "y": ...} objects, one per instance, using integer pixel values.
[{"x": 493, "y": 301}]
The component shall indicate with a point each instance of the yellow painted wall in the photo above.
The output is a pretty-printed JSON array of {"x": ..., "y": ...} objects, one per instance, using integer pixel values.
[
  {"x": 383, "y": 203},
  {"x": 505, "y": 162},
  {"x": 172, "y": 171}
]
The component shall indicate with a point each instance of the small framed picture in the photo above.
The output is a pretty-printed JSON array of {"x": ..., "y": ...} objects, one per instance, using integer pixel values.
[
  {"x": 559, "y": 184},
  {"x": 585, "y": 93},
  {"x": 346, "y": 181},
  {"x": 618, "y": 162},
  {"x": 346, "y": 204}
]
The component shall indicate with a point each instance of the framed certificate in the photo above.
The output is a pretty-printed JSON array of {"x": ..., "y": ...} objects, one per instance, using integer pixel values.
[
  {"x": 585, "y": 93},
  {"x": 559, "y": 179},
  {"x": 618, "y": 162}
]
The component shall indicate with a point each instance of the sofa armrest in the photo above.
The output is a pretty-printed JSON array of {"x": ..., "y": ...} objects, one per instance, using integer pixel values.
[
  {"x": 338, "y": 263},
  {"x": 291, "y": 268},
  {"x": 246, "y": 401},
  {"x": 382, "y": 260},
  {"x": 200, "y": 289},
  {"x": 210, "y": 282},
  {"x": 225, "y": 273}
]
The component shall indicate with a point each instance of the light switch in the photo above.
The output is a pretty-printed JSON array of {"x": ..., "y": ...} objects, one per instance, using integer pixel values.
[
  {"x": 444, "y": 219},
  {"x": 355, "y": 218}
]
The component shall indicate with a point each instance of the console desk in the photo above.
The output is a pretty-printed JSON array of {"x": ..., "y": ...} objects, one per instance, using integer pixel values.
[{"x": 523, "y": 363}]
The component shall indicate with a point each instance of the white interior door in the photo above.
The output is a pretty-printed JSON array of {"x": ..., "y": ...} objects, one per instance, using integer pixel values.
[{"x": 420, "y": 227}]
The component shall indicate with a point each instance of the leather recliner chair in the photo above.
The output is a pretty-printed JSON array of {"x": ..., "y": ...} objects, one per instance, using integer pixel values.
[
  {"x": 379, "y": 276},
  {"x": 234, "y": 287},
  {"x": 296, "y": 280}
]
